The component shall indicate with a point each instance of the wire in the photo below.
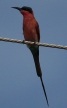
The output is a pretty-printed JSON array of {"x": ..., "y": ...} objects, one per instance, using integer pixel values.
[{"x": 33, "y": 43}]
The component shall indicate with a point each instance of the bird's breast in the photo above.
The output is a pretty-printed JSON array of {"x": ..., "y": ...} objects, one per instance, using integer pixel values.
[{"x": 29, "y": 30}]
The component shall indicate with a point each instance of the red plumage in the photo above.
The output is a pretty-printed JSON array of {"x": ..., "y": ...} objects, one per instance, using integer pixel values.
[{"x": 32, "y": 33}]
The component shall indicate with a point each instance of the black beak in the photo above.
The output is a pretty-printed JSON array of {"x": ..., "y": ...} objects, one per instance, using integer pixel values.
[{"x": 17, "y": 8}]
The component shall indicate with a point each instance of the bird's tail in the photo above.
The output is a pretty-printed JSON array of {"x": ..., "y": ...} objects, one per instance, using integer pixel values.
[
  {"x": 37, "y": 65},
  {"x": 39, "y": 73},
  {"x": 44, "y": 90}
]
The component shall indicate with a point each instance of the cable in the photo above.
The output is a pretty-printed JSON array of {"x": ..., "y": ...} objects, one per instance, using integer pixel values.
[{"x": 33, "y": 43}]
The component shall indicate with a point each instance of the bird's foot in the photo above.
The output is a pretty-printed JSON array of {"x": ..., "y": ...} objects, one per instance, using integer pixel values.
[{"x": 23, "y": 41}]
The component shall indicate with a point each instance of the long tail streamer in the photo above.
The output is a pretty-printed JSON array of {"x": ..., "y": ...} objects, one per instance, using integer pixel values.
[{"x": 44, "y": 90}]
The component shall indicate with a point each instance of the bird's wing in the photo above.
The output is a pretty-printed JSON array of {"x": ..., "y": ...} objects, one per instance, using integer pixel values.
[{"x": 38, "y": 31}]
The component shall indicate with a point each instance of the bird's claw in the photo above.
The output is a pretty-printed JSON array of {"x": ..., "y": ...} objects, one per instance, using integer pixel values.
[{"x": 34, "y": 42}]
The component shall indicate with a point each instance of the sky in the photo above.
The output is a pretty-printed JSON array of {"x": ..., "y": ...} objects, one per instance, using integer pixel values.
[{"x": 19, "y": 85}]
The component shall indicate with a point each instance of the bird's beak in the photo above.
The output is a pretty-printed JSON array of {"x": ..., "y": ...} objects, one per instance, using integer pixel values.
[{"x": 17, "y": 8}]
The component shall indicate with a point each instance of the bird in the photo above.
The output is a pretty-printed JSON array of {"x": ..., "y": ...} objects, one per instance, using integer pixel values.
[{"x": 31, "y": 32}]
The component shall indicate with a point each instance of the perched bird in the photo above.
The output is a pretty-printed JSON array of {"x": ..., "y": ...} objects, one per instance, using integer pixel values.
[{"x": 32, "y": 33}]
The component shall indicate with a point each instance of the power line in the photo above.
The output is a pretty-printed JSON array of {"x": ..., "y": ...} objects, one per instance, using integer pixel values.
[{"x": 33, "y": 43}]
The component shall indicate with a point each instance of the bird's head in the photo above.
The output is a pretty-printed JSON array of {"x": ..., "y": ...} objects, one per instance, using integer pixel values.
[{"x": 24, "y": 10}]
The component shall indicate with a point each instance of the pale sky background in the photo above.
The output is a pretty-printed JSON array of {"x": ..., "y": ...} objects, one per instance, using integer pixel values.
[{"x": 19, "y": 85}]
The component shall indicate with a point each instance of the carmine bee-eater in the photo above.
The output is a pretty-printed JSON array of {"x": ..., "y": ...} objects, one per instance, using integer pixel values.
[{"x": 32, "y": 33}]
